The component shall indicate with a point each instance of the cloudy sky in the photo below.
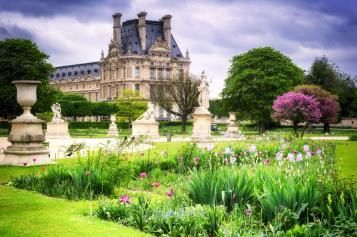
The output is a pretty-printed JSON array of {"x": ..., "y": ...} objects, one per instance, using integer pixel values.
[{"x": 75, "y": 31}]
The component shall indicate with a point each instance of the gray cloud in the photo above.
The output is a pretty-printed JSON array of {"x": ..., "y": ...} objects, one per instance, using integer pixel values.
[{"x": 214, "y": 31}]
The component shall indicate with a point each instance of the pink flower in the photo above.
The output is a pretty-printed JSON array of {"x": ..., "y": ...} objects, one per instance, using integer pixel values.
[
  {"x": 34, "y": 159},
  {"x": 87, "y": 173},
  {"x": 125, "y": 199},
  {"x": 156, "y": 184},
  {"x": 170, "y": 193},
  {"x": 143, "y": 175}
]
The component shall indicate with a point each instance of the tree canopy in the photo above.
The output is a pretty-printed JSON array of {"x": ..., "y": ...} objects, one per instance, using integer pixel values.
[
  {"x": 325, "y": 73},
  {"x": 254, "y": 80},
  {"x": 328, "y": 103},
  {"x": 298, "y": 108},
  {"x": 178, "y": 97},
  {"x": 130, "y": 105},
  {"x": 20, "y": 59}
]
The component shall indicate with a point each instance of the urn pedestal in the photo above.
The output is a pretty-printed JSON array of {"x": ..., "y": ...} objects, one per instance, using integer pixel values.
[
  {"x": 145, "y": 128},
  {"x": 26, "y": 134},
  {"x": 232, "y": 128},
  {"x": 202, "y": 120}
]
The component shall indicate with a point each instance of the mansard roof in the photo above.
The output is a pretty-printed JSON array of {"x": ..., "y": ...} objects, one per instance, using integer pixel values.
[
  {"x": 76, "y": 70},
  {"x": 154, "y": 30}
]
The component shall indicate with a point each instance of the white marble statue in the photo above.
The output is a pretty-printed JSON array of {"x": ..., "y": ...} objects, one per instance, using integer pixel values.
[
  {"x": 56, "y": 109},
  {"x": 149, "y": 114},
  {"x": 203, "y": 98}
]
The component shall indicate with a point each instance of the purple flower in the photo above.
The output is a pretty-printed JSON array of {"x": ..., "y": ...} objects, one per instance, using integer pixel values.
[
  {"x": 299, "y": 157},
  {"x": 306, "y": 148},
  {"x": 318, "y": 151},
  {"x": 170, "y": 193},
  {"x": 291, "y": 157},
  {"x": 34, "y": 160},
  {"x": 253, "y": 148},
  {"x": 125, "y": 199},
  {"x": 308, "y": 154},
  {"x": 143, "y": 175},
  {"x": 279, "y": 156}
]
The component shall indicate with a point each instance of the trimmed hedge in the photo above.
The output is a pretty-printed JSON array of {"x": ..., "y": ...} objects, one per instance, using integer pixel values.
[
  {"x": 4, "y": 125},
  {"x": 100, "y": 125},
  {"x": 173, "y": 123}
]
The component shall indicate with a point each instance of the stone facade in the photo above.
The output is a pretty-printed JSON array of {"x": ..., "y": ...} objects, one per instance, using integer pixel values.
[{"x": 141, "y": 53}]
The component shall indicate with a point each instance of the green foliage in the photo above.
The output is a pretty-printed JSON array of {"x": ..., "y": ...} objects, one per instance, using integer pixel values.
[
  {"x": 325, "y": 73},
  {"x": 131, "y": 105},
  {"x": 70, "y": 97},
  {"x": 217, "y": 107},
  {"x": 255, "y": 79},
  {"x": 45, "y": 116},
  {"x": 223, "y": 187},
  {"x": 20, "y": 59}
]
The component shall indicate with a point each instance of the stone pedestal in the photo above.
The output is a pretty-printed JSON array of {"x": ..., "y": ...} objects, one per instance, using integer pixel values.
[
  {"x": 201, "y": 131},
  {"x": 113, "y": 129},
  {"x": 232, "y": 128},
  {"x": 26, "y": 134},
  {"x": 145, "y": 128},
  {"x": 27, "y": 147},
  {"x": 57, "y": 130}
]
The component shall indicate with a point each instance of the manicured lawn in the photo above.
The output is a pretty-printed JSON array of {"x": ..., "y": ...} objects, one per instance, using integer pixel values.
[
  {"x": 346, "y": 158},
  {"x": 24, "y": 213}
]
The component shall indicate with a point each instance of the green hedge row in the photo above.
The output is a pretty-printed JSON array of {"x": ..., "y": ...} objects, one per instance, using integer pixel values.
[
  {"x": 100, "y": 125},
  {"x": 173, "y": 123},
  {"x": 4, "y": 125}
]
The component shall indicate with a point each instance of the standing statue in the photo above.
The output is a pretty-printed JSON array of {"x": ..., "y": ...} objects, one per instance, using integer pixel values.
[
  {"x": 56, "y": 109},
  {"x": 203, "y": 98}
]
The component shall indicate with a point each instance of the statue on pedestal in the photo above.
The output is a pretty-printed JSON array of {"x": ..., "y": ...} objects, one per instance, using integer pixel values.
[
  {"x": 56, "y": 109},
  {"x": 203, "y": 98},
  {"x": 149, "y": 114}
]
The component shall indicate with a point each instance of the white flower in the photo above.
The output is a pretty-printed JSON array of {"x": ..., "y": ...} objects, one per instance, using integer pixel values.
[
  {"x": 291, "y": 157},
  {"x": 228, "y": 151},
  {"x": 306, "y": 148},
  {"x": 299, "y": 157},
  {"x": 308, "y": 154},
  {"x": 233, "y": 160},
  {"x": 318, "y": 151},
  {"x": 253, "y": 148},
  {"x": 209, "y": 146},
  {"x": 279, "y": 156},
  {"x": 284, "y": 146}
]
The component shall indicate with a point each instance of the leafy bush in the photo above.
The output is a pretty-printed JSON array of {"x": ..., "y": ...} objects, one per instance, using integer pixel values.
[
  {"x": 223, "y": 187},
  {"x": 4, "y": 125}
]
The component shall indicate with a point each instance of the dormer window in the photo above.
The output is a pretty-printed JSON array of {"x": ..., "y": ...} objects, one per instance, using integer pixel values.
[
  {"x": 69, "y": 74},
  {"x": 82, "y": 72},
  {"x": 75, "y": 73},
  {"x": 63, "y": 74},
  {"x": 57, "y": 75},
  {"x": 89, "y": 71}
]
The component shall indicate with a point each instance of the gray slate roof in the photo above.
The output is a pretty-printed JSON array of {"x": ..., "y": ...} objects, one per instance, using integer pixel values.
[
  {"x": 76, "y": 70},
  {"x": 154, "y": 30}
]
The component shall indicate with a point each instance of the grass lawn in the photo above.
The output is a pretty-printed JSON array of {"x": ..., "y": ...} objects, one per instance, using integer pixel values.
[
  {"x": 24, "y": 213},
  {"x": 346, "y": 158}
]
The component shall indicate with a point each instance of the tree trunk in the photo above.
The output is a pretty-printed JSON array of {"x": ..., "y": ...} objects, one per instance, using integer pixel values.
[
  {"x": 304, "y": 129},
  {"x": 295, "y": 127},
  {"x": 183, "y": 123},
  {"x": 326, "y": 127},
  {"x": 261, "y": 126}
]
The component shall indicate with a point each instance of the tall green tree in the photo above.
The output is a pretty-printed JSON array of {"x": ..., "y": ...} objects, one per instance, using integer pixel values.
[
  {"x": 255, "y": 79},
  {"x": 130, "y": 106},
  {"x": 325, "y": 73},
  {"x": 20, "y": 59}
]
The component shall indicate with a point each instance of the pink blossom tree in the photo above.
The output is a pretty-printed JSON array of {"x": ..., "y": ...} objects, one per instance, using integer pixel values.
[
  {"x": 297, "y": 107},
  {"x": 328, "y": 103}
]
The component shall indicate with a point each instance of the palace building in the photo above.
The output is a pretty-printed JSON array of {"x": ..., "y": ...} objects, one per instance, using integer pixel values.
[{"x": 142, "y": 52}]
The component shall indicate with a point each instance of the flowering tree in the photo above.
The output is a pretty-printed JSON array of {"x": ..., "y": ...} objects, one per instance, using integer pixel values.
[
  {"x": 328, "y": 103},
  {"x": 297, "y": 107}
]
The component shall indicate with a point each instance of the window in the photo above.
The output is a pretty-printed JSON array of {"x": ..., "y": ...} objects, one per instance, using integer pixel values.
[
  {"x": 97, "y": 84},
  {"x": 63, "y": 74},
  {"x": 152, "y": 73},
  {"x": 159, "y": 74},
  {"x": 89, "y": 71},
  {"x": 180, "y": 73},
  {"x": 76, "y": 86},
  {"x": 69, "y": 74},
  {"x": 137, "y": 87},
  {"x": 75, "y": 73},
  {"x": 168, "y": 73},
  {"x": 83, "y": 86},
  {"x": 137, "y": 72}
]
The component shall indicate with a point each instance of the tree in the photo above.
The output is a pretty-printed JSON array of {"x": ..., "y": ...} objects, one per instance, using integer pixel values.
[
  {"x": 181, "y": 92},
  {"x": 216, "y": 107},
  {"x": 298, "y": 108},
  {"x": 21, "y": 59},
  {"x": 254, "y": 80},
  {"x": 328, "y": 103},
  {"x": 131, "y": 105},
  {"x": 327, "y": 74}
]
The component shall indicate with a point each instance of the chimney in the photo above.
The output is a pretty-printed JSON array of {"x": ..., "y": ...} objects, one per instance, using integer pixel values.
[
  {"x": 142, "y": 29},
  {"x": 167, "y": 29},
  {"x": 117, "y": 29}
]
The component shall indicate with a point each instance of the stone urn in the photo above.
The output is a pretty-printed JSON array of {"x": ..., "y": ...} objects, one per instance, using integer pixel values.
[
  {"x": 26, "y": 135},
  {"x": 26, "y": 96},
  {"x": 113, "y": 130},
  {"x": 232, "y": 128}
]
